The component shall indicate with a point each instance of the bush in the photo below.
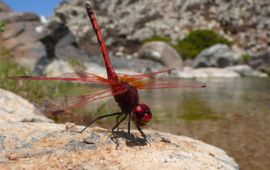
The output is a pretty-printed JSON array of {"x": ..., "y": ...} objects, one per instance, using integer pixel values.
[
  {"x": 197, "y": 41},
  {"x": 2, "y": 26},
  {"x": 246, "y": 58},
  {"x": 157, "y": 38}
]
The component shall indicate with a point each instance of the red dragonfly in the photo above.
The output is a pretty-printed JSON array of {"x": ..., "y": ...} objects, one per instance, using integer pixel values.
[{"x": 124, "y": 88}]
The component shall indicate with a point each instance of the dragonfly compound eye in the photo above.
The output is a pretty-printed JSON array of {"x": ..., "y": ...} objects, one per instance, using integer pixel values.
[{"x": 141, "y": 114}]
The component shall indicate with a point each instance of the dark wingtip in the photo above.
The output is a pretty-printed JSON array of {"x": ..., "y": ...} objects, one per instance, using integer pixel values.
[
  {"x": 203, "y": 86},
  {"x": 18, "y": 77}
]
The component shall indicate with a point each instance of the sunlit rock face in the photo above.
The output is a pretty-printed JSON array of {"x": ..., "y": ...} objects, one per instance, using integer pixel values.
[
  {"x": 38, "y": 146},
  {"x": 14, "y": 108}
]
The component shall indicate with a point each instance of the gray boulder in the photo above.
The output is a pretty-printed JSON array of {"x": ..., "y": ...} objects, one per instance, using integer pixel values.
[
  {"x": 4, "y": 8},
  {"x": 66, "y": 49},
  {"x": 216, "y": 56},
  {"x": 246, "y": 71},
  {"x": 19, "y": 17},
  {"x": 14, "y": 108},
  {"x": 23, "y": 39},
  {"x": 261, "y": 61},
  {"x": 162, "y": 53}
]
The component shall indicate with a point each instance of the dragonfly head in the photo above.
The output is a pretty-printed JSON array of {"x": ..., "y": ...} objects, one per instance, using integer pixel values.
[{"x": 141, "y": 114}]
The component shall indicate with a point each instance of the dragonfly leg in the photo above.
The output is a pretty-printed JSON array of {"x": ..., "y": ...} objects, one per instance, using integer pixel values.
[
  {"x": 142, "y": 133},
  {"x": 129, "y": 115},
  {"x": 98, "y": 118},
  {"x": 117, "y": 120},
  {"x": 115, "y": 126}
]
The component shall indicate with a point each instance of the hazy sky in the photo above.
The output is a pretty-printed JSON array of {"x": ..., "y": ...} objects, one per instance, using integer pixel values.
[{"x": 41, "y": 7}]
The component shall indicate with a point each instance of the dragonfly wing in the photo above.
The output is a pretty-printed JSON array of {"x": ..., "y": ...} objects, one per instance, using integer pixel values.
[
  {"x": 133, "y": 78},
  {"x": 79, "y": 77},
  {"x": 155, "y": 73},
  {"x": 171, "y": 83},
  {"x": 78, "y": 101},
  {"x": 149, "y": 74}
]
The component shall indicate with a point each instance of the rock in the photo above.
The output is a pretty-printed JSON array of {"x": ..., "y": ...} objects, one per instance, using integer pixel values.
[
  {"x": 58, "y": 68},
  {"x": 188, "y": 72},
  {"x": 70, "y": 52},
  {"x": 66, "y": 49},
  {"x": 161, "y": 52},
  {"x": 54, "y": 32},
  {"x": 188, "y": 63},
  {"x": 134, "y": 64},
  {"x": 22, "y": 32},
  {"x": 261, "y": 61},
  {"x": 94, "y": 68},
  {"x": 216, "y": 56},
  {"x": 20, "y": 17},
  {"x": 23, "y": 40},
  {"x": 4, "y": 8},
  {"x": 13, "y": 108},
  {"x": 192, "y": 5},
  {"x": 30, "y": 54},
  {"x": 43, "y": 146},
  {"x": 12, "y": 31},
  {"x": 244, "y": 22},
  {"x": 246, "y": 71}
]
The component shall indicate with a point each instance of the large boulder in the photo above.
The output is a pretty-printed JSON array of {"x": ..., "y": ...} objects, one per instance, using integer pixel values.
[
  {"x": 56, "y": 146},
  {"x": 23, "y": 39},
  {"x": 4, "y": 7},
  {"x": 22, "y": 32},
  {"x": 246, "y": 71},
  {"x": 19, "y": 17},
  {"x": 216, "y": 56},
  {"x": 13, "y": 108},
  {"x": 262, "y": 61},
  {"x": 67, "y": 49},
  {"x": 162, "y": 53}
]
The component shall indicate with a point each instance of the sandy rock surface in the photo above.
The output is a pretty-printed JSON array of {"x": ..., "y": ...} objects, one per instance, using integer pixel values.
[{"x": 57, "y": 146}]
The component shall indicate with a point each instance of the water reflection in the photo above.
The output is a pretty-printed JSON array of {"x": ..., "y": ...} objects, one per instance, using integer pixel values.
[
  {"x": 234, "y": 96},
  {"x": 233, "y": 114}
]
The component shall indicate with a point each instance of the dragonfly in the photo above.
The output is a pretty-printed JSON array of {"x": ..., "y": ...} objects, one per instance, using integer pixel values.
[{"x": 124, "y": 88}]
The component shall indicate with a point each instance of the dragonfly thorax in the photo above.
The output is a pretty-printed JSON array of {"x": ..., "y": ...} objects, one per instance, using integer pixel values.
[{"x": 127, "y": 100}]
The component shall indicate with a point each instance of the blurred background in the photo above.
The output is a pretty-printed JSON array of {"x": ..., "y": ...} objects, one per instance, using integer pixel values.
[{"x": 224, "y": 44}]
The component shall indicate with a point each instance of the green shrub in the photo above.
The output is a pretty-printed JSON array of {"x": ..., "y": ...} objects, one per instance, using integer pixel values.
[
  {"x": 2, "y": 26},
  {"x": 198, "y": 40},
  {"x": 246, "y": 58},
  {"x": 157, "y": 38}
]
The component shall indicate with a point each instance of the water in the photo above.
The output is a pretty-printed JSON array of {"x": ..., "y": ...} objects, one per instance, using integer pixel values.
[{"x": 233, "y": 114}]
